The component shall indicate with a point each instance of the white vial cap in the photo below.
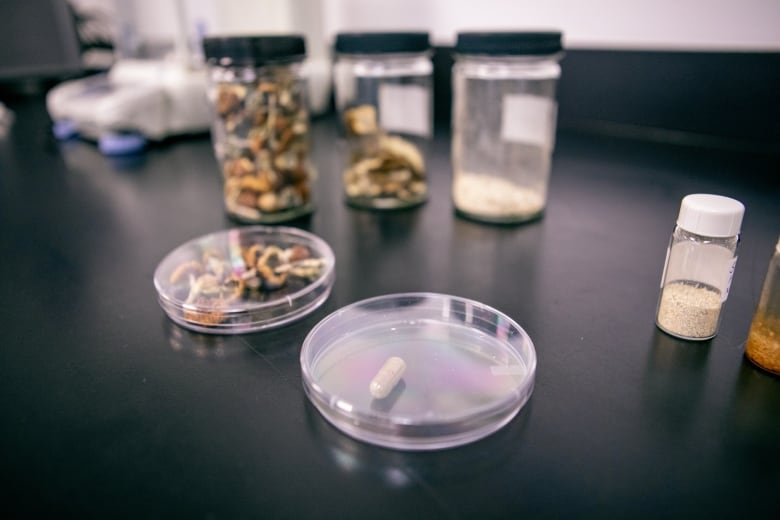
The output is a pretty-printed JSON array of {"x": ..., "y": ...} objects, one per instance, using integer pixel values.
[{"x": 711, "y": 215}]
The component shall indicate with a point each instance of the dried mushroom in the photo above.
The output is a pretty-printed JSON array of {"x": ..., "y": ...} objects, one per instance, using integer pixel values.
[
  {"x": 213, "y": 316},
  {"x": 382, "y": 166},
  {"x": 265, "y": 152},
  {"x": 185, "y": 270},
  {"x": 361, "y": 120},
  {"x": 209, "y": 287}
]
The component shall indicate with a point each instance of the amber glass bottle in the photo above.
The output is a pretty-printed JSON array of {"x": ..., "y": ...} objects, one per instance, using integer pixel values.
[{"x": 763, "y": 343}]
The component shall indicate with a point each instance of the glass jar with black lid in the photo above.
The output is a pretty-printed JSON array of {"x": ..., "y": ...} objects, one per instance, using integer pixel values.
[
  {"x": 383, "y": 85},
  {"x": 261, "y": 125},
  {"x": 504, "y": 115}
]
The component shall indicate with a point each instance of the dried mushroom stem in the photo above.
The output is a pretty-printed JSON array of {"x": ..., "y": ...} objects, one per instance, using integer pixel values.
[
  {"x": 308, "y": 269},
  {"x": 185, "y": 270},
  {"x": 271, "y": 258}
]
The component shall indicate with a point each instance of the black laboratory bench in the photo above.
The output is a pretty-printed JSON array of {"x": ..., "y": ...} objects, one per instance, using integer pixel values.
[{"x": 111, "y": 410}]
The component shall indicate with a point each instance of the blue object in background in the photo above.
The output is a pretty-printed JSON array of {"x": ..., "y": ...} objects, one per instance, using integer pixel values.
[
  {"x": 64, "y": 129},
  {"x": 121, "y": 143}
]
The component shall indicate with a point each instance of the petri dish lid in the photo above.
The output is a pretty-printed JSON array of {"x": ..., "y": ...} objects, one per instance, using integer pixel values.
[
  {"x": 469, "y": 369},
  {"x": 245, "y": 279}
]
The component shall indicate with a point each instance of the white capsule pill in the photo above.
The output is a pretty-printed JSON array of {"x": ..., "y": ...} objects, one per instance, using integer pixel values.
[{"x": 387, "y": 377}]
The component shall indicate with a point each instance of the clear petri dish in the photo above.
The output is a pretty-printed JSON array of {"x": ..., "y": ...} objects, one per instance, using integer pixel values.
[
  {"x": 245, "y": 279},
  {"x": 469, "y": 369}
]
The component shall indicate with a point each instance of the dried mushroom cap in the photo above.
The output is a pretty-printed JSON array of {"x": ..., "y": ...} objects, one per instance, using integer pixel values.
[
  {"x": 297, "y": 252},
  {"x": 259, "y": 183},
  {"x": 251, "y": 254},
  {"x": 361, "y": 120},
  {"x": 238, "y": 168},
  {"x": 229, "y": 98},
  {"x": 300, "y": 127},
  {"x": 212, "y": 316},
  {"x": 246, "y": 198},
  {"x": 272, "y": 257},
  {"x": 400, "y": 148},
  {"x": 266, "y": 202}
]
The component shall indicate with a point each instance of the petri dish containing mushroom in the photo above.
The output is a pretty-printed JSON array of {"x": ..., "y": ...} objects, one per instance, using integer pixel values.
[{"x": 245, "y": 279}]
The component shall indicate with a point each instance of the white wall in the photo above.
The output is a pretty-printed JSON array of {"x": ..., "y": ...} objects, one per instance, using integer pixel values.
[
  {"x": 158, "y": 20},
  {"x": 621, "y": 24}
]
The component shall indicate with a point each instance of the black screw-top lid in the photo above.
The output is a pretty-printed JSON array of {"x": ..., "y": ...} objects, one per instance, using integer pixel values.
[
  {"x": 382, "y": 42},
  {"x": 255, "y": 50},
  {"x": 509, "y": 43}
]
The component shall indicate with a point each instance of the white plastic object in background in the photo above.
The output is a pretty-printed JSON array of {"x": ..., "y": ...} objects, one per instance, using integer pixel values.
[
  {"x": 318, "y": 76},
  {"x": 155, "y": 98}
]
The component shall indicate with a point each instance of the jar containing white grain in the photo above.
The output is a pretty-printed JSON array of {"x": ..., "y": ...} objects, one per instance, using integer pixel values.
[
  {"x": 700, "y": 262},
  {"x": 383, "y": 85},
  {"x": 503, "y": 123}
]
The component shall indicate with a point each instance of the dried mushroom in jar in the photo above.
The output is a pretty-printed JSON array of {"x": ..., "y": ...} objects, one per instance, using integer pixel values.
[
  {"x": 266, "y": 165},
  {"x": 382, "y": 166}
]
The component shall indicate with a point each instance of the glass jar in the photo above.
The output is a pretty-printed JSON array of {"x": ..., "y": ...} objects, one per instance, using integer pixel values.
[
  {"x": 763, "y": 343},
  {"x": 503, "y": 123},
  {"x": 383, "y": 88},
  {"x": 260, "y": 129},
  {"x": 700, "y": 262}
]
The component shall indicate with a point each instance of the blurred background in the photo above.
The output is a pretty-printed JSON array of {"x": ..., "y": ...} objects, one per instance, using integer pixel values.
[
  {"x": 611, "y": 24},
  {"x": 699, "y": 71}
]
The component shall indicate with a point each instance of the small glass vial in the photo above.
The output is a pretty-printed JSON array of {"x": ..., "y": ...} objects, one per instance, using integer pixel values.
[
  {"x": 700, "y": 262},
  {"x": 503, "y": 123},
  {"x": 763, "y": 343},
  {"x": 261, "y": 126},
  {"x": 383, "y": 88}
]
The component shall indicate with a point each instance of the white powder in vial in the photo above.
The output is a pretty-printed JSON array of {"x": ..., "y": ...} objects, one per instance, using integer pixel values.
[
  {"x": 494, "y": 197},
  {"x": 689, "y": 311}
]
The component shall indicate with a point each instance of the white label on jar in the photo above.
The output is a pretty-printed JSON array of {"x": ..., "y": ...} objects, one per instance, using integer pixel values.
[
  {"x": 405, "y": 109},
  {"x": 528, "y": 119}
]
